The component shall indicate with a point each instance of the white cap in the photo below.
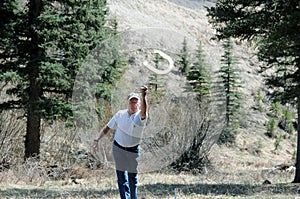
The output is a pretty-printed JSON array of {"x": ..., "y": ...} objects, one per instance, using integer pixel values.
[{"x": 133, "y": 95}]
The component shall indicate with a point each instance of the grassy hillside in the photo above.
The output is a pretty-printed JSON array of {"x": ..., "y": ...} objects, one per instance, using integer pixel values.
[{"x": 156, "y": 19}]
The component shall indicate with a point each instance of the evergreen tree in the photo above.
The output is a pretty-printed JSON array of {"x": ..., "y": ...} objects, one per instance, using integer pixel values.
[
  {"x": 184, "y": 57},
  {"x": 274, "y": 26},
  {"x": 157, "y": 81},
  {"x": 231, "y": 83},
  {"x": 43, "y": 43},
  {"x": 199, "y": 75}
]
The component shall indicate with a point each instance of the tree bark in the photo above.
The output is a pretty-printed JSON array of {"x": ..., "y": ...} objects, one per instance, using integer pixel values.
[{"x": 32, "y": 137}]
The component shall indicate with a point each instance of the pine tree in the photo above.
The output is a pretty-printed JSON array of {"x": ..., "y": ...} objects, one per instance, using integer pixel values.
[
  {"x": 231, "y": 83},
  {"x": 157, "y": 81},
  {"x": 199, "y": 75},
  {"x": 184, "y": 57},
  {"x": 43, "y": 43}
]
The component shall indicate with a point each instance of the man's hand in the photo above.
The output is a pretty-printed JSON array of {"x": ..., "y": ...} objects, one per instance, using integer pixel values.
[
  {"x": 144, "y": 90},
  {"x": 95, "y": 146},
  {"x": 95, "y": 143}
]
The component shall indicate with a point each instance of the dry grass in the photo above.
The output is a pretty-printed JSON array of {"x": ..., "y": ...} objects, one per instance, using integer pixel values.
[
  {"x": 102, "y": 184},
  {"x": 236, "y": 172}
]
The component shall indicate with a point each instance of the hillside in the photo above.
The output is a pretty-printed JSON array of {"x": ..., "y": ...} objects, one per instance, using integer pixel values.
[{"x": 162, "y": 24}]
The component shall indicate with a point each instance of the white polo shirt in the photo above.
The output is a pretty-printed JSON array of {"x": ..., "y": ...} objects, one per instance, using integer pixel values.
[{"x": 129, "y": 128}]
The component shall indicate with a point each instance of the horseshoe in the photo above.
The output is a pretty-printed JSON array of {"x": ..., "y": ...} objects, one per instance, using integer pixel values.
[{"x": 157, "y": 71}]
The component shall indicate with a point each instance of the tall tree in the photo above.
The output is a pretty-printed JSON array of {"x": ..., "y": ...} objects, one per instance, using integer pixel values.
[
  {"x": 230, "y": 78},
  {"x": 274, "y": 26},
  {"x": 184, "y": 57},
  {"x": 199, "y": 75},
  {"x": 157, "y": 81},
  {"x": 43, "y": 43}
]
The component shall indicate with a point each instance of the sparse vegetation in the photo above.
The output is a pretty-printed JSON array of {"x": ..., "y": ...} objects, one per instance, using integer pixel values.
[
  {"x": 277, "y": 142},
  {"x": 288, "y": 125},
  {"x": 259, "y": 100},
  {"x": 271, "y": 127}
]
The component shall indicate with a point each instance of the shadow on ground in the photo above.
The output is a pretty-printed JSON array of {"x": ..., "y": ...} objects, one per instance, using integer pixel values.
[
  {"x": 63, "y": 193},
  {"x": 157, "y": 191},
  {"x": 221, "y": 189}
]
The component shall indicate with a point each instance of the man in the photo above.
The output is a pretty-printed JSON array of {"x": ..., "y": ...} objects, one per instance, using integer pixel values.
[{"x": 129, "y": 125}]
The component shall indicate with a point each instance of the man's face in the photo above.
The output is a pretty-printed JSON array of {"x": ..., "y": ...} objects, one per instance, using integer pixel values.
[{"x": 133, "y": 105}]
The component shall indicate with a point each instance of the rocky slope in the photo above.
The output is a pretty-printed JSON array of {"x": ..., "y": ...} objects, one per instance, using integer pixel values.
[{"x": 174, "y": 20}]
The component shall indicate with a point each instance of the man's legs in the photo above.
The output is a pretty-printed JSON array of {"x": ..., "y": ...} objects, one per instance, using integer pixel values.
[
  {"x": 123, "y": 184},
  {"x": 133, "y": 184},
  {"x": 126, "y": 167}
]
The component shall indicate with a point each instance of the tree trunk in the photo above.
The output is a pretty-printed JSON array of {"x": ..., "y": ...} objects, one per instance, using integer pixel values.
[
  {"x": 297, "y": 175},
  {"x": 32, "y": 138}
]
